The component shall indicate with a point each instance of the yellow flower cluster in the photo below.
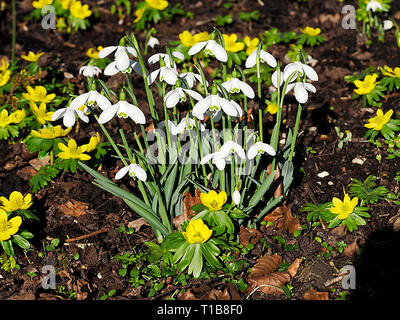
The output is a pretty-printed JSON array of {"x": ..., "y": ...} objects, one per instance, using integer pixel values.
[
  {"x": 155, "y": 4},
  {"x": 93, "y": 53},
  {"x": 15, "y": 202},
  {"x": 73, "y": 151},
  {"x": 32, "y": 57},
  {"x": 5, "y": 73},
  {"x": 367, "y": 85},
  {"x": 76, "y": 8}
]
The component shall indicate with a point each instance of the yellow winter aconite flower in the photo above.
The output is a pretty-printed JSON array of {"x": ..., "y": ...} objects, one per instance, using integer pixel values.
[
  {"x": 139, "y": 14},
  {"x": 251, "y": 44},
  {"x": 15, "y": 117},
  {"x": 311, "y": 31},
  {"x": 94, "y": 52},
  {"x": 213, "y": 201},
  {"x": 379, "y": 121},
  {"x": 231, "y": 44},
  {"x": 8, "y": 227},
  {"x": 93, "y": 142},
  {"x": 157, "y": 4},
  {"x": 39, "y": 4},
  {"x": 72, "y": 151},
  {"x": 40, "y": 112},
  {"x": 38, "y": 94},
  {"x": 391, "y": 73},
  {"x": 65, "y": 4},
  {"x": 31, "y": 56},
  {"x": 367, "y": 85},
  {"x": 272, "y": 108},
  {"x": 189, "y": 40},
  {"x": 16, "y": 202},
  {"x": 343, "y": 208},
  {"x": 197, "y": 232},
  {"x": 80, "y": 11},
  {"x": 51, "y": 132},
  {"x": 4, "y": 65},
  {"x": 4, "y": 77}
]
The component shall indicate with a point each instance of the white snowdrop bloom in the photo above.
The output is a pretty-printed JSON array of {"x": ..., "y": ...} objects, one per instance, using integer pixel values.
[
  {"x": 224, "y": 154},
  {"x": 112, "y": 68},
  {"x": 387, "y": 25},
  {"x": 89, "y": 99},
  {"x": 185, "y": 124},
  {"x": 134, "y": 170},
  {"x": 374, "y": 5},
  {"x": 298, "y": 68},
  {"x": 121, "y": 57},
  {"x": 300, "y": 90},
  {"x": 212, "y": 48},
  {"x": 69, "y": 116},
  {"x": 214, "y": 103},
  {"x": 274, "y": 78},
  {"x": 191, "y": 78},
  {"x": 236, "y": 197},
  {"x": 153, "y": 41},
  {"x": 123, "y": 109},
  {"x": 179, "y": 95},
  {"x": 235, "y": 85},
  {"x": 156, "y": 58},
  {"x": 167, "y": 74},
  {"x": 265, "y": 57},
  {"x": 89, "y": 71},
  {"x": 260, "y": 147}
]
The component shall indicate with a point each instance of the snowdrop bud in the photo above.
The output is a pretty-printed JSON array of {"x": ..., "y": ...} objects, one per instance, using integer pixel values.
[
  {"x": 387, "y": 25},
  {"x": 153, "y": 42},
  {"x": 236, "y": 197}
]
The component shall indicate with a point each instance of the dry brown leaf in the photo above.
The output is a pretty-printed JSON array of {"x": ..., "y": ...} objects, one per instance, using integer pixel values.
[
  {"x": 284, "y": 219},
  {"x": 38, "y": 163},
  {"x": 351, "y": 249},
  {"x": 188, "y": 202},
  {"x": 247, "y": 236},
  {"x": 187, "y": 295},
  {"x": 265, "y": 265},
  {"x": 137, "y": 224},
  {"x": 294, "y": 267},
  {"x": 313, "y": 294},
  {"x": 74, "y": 208},
  {"x": 269, "y": 283}
]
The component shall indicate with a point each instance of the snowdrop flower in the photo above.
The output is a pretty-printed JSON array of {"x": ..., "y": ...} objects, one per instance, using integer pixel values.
[
  {"x": 224, "y": 154},
  {"x": 121, "y": 58},
  {"x": 179, "y": 95},
  {"x": 69, "y": 116},
  {"x": 236, "y": 197},
  {"x": 387, "y": 25},
  {"x": 185, "y": 124},
  {"x": 235, "y": 85},
  {"x": 123, "y": 109},
  {"x": 265, "y": 57},
  {"x": 212, "y": 48},
  {"x": 260, "y": 147},
  {"x": 215, "y": 104},
  {"x": 300, "y": 90},
  {"x": 374, "y": 5},
  {"x": 191, "y": 77},
  {"x": 298, "y": 68},
  {"x": 153, "y": 42},
  {"x": 112, "y": 68},
  {"x": 90, "y": 71},
  {"x": 89, "y": 99},
  {"x": 134, "y": 170},
  {"x": 165, "y": 57}
]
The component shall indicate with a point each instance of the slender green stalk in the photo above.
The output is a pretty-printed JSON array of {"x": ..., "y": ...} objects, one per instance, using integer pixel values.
[{"x": 295, "y": 131}]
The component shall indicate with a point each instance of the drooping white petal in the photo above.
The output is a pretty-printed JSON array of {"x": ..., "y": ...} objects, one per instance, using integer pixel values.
[
  {"x": 310, "y": 87},
  {"x": 220, "y": 163},
  {"x": 289, "y": 87},
  {"x": 106, "y": 51},
  {"x": 236, "y": 197},
  {"x": 79, "y": 101},
  {"x": 122, "y": 172},
  {"x": 291, "y": 68},
  {"x": 111, "y": 69},
  {"x": 171, "y": 99},
  {"x": 69, "y": 118},
  {"x": 132, "y": 51},
  {"x": 102, "y": 101},
  {"x": 228, "y": 107},
  {"x": 197, "y": 48},
  {"x": 300, "y": 92},
  {"x": 178, "y": 55},
  {"x": 153, "y": 76},
  {"x": 195, "y": 95},
  {"x": 108, "y": 114},
  {"x": 58, "y": 114},
  {"x": 201, "y": 107},
  {"x": 122, "y": 61},
  {"x": 168, "y": 75},
  {"x": 310, "y": 72},
  {"x": 252, "y": 152},
  {"x": 82, "y": 115},
  {"x": 217, "y": 50},
  {"x": 274, "y": 78},
  {"x": 251, "y": 60},
  {"x": 207, "y": 158},
  {"x": 153, "y": 42},
  {"x": 126, "y": 109}
]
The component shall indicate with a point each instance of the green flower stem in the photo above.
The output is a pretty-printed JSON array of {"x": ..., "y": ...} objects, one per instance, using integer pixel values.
[
  {"x": 259, "y": 94},
  {"x": 166, "y": 116},
  {"x": 200, "y": 151},
  {"x": 295, "y": 131}
]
